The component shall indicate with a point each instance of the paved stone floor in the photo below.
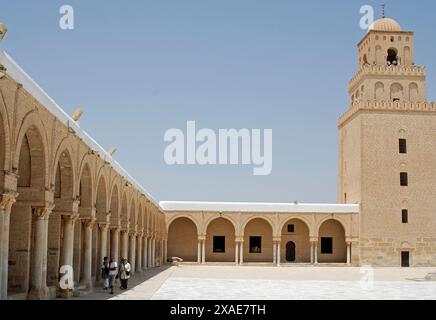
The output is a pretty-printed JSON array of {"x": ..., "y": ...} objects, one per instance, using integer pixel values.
[{"x": 227, "y": 282}]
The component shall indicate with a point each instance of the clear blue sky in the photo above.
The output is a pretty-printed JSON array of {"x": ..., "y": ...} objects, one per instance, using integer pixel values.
[{"x": 139, "y": 68}]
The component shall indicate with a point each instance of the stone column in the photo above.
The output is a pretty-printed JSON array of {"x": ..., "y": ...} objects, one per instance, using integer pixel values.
[
  {"x": 38, "y": 277},
  {"x": 165, "y": 250},
  {"x": 203, "y": 251},
  {"x": 274, "y": 252},
  {"x": 139, "y": 253},
  {"x": 278, "y": 253},
  {"x": 149, "y": 262},
  {"x": 115, "y": 244},
  {"x": 145, "y": 253},
  {"x": 348, "y": 252},
  {"x": 241, "y": 252},
  {"x": 68, "y": 254},
  {"x": 161, "y": 253},
  {"x": 124, "y": 244},
  {"x": 103, "y": 226},
  {"x": 236, "y": 252},
  {"x": 132, "y": 256},
  {"x": 86, "y": 280},
  {"x": 199, "y": 251},
  {"x": 6, "y": 202},
  {"x": 315, "y": 252},
  {"x": 311, "y": 252},
  {"x": 153, "y": 253}
]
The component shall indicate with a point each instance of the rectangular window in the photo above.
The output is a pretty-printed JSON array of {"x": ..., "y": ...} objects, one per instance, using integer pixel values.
[
  {"x": 291, "y": 228},
  {"x": 404, "y": 179},
  {"x": 326, "y": 245},
  {"x": 405, "y": 259},
  {"x": 403, "y": 146},
  {"x": 405, "y": 216},
  {"x": 219, "y": 244},
  {"x": 255, "y": 244}
]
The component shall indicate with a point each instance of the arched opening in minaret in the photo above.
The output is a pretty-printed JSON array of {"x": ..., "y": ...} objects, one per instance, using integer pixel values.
[{"x": 392, "y": 58}]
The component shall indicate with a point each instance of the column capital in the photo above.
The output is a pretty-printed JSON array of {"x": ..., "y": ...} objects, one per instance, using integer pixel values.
[
  {"x": 43, "y": 212},
  {"x": 115, "y": 228},
  {"x": 89, "y": 221},
  {"x": 350, "y": 240},
  {"x": 314, "y": 240},
  {"x": 71, "y": 217},
  {"x": 239, "y": 239},
  {"x": 277, "y": 239},
  {"x": 201, "y": 238},
  {"x": 132, "y": 233},
  {"x": 7, "y": 200},
  {"x": 103, "y": 225}
]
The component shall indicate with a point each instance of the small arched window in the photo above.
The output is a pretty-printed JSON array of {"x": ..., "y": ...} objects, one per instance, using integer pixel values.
[
  {"x": 379, "y": 91},
  {"x": 396, "y": 92},
  {"x": 392, "y": 58},
  {"x": 413, "y": 92}
]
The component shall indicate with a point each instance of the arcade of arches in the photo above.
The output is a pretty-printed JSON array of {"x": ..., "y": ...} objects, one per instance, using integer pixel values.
[
  {"x": 268, "y": 237},
  {"x": 61, "y": 204}
]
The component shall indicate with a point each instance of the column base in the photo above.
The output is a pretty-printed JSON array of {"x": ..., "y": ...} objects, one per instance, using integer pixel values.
[
  {"x": 85, "y": 285},
  {"x": 64, "y": 294},
  {"x": 39, "y": 294}
]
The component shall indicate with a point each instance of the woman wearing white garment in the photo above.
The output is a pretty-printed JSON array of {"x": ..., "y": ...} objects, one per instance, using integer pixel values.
[{"x": 125, "y": 269}]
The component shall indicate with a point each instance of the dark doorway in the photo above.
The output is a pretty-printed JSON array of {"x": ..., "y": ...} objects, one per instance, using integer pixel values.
[
  {"x": 405, "y": 259},
  {"x": 290, "y": 251},
  {"x": 219, "y": 244}
]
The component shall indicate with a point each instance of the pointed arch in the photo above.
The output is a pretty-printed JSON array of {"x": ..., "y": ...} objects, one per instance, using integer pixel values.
[
  {"x": 4, "y": 142},
  {"x": 101, "y": 200},
  {"x": 124, "y": 214},
  {"x": 331, "y": 242},
  {"x": 258, "y": 237},
  {"x": 86, "y": 188},
  {"x": 295, "y": 235},
  {"x": 115, "y": 205},
  {"x": 32, "y": 132},
  {"x": 182, "y": 238},
  {"x": 63, "y": 174}
]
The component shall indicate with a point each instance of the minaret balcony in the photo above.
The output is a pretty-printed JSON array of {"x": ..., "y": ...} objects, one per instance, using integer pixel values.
[
  {"x": 387, "y": 106},
  {"x": 385, "y": 70}
]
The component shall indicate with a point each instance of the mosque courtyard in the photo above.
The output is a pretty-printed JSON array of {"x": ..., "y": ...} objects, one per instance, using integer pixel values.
[{"x": 254, "y": 282}]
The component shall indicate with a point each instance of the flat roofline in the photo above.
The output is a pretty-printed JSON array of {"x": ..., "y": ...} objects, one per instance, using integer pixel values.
[
  {"x": 384, "y": 32},
  {"x": 14, "y": 71},
  {"x": 258, "y": 207}
]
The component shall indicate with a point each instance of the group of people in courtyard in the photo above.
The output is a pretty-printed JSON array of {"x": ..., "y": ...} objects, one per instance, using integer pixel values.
[{"x": 111, "y": 270}]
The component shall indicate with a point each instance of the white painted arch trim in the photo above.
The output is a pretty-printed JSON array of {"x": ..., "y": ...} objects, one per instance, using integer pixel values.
[{"x": 258, "y": 207}]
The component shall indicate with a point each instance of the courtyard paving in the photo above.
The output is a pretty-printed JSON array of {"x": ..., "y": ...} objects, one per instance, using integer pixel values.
[{"x": 229, "y": 282}]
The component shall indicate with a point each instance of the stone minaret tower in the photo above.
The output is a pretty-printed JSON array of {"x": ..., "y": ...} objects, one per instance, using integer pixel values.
[{"x": 387, "y": 151}]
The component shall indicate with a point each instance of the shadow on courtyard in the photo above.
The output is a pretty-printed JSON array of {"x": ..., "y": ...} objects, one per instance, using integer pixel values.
[{"x": 159, "y": 273}]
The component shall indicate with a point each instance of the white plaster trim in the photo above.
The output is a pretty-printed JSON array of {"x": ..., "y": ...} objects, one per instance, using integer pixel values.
[{"x": 258, "y": 207}]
